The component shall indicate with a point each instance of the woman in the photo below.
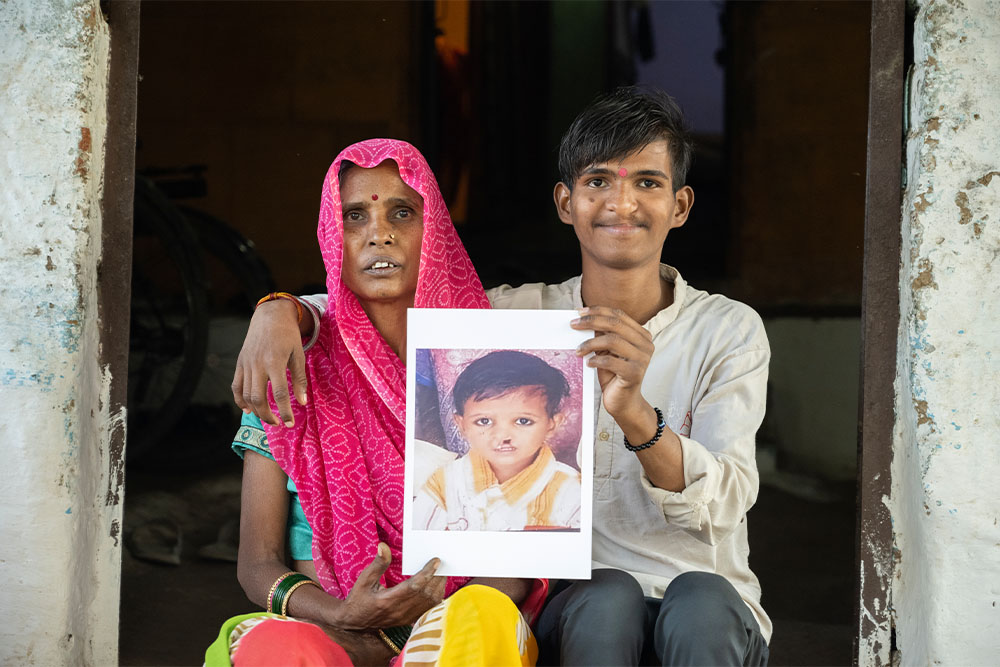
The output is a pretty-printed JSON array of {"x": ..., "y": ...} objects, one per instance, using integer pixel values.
[{"x": 388, "y": 244}]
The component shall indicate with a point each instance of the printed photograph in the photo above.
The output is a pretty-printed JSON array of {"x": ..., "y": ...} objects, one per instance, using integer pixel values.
[
  {"x": 497, "y": 437},
  {"x": 499, "y": 461}
]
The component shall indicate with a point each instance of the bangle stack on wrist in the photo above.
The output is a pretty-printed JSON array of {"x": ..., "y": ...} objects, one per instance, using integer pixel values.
[
  {"x": 273, "y": 296},
  {"x": 396, "y": 637},
  {"x": 282, "y": 589},
  {"x": 660, "y": 425}
]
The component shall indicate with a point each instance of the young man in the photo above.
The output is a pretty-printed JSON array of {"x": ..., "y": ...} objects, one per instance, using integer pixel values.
[{"x": 683, "y": 377}]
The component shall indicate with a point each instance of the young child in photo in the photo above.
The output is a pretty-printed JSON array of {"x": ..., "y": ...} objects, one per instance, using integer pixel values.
[{"x": 506, "y": 407}]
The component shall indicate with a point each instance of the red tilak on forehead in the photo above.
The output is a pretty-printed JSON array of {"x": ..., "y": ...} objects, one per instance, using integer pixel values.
[
  {"x": 374, "y": 197},
  {"x": 623, "y": 172}
]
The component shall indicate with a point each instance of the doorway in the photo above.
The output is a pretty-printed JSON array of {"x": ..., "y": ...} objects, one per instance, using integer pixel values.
[{"x": 266, "y": 103}]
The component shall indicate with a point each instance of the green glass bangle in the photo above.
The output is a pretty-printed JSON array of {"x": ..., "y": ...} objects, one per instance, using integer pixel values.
[
  {"x": 285, "y": 587},
  {"x": 399, "y": 634},
  {"x": 281, "y": 592}
]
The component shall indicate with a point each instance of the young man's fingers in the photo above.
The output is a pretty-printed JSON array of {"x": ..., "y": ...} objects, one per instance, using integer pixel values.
[
  {"x": 602, "y": 318},
  {"x": 616, "y": 345},
  {"x": 613, "y": 323},
  {"x": 609, "y": 343},
  {"x": 627, "y": 370},
  {"x": 297, "y": 367}
]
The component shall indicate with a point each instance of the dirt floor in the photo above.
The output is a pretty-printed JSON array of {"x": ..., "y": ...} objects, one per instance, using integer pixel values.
[{"x": 802, "y": 551}]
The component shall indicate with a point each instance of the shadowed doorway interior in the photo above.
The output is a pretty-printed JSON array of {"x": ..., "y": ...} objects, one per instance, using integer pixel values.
[{"x": 264, "y": 95}]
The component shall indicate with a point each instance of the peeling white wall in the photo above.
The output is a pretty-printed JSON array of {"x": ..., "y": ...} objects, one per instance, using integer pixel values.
[
  {"x": 946, "y": 468},
  {"x": 59, "y": 536}
]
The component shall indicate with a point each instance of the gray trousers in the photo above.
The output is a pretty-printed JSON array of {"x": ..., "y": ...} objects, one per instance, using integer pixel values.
[{"x": 701, "y": 620}]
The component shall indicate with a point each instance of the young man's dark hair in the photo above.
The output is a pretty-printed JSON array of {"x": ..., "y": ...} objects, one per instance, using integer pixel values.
[
  {"x": 504, "y": 371},
  {"x": 621, "y": 123}
]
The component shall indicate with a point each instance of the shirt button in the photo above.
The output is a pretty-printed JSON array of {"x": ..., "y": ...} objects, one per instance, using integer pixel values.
[{"x": 603, "y": 435}]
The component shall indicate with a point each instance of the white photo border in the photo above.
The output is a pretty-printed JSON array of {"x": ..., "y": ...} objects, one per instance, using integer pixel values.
[{"x": 529, "y": 554}]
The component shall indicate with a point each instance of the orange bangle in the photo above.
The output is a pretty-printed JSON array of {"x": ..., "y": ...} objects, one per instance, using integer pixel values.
[{"x": 274, "y": 296}]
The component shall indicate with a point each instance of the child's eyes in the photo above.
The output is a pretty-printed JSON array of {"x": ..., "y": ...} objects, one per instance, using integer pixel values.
[
  {"x": 524, "y": 421},
  {"x": 483, "y": 421}
]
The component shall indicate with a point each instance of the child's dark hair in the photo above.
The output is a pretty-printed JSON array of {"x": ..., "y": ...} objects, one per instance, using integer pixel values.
[
  {"x": 504, "y": 371},
  {"x": 622, "y": 123}
]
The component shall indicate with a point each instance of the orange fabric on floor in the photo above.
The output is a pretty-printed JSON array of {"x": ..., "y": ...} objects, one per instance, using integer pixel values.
[{"x": 289, "y": 643}]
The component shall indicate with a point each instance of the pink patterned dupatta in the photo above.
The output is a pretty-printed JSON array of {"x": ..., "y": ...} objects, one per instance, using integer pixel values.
[{"x": 345, "y": 452}]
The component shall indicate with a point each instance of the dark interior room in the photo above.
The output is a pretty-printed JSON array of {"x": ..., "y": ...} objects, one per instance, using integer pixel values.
[{"x": 242, "y": 106}]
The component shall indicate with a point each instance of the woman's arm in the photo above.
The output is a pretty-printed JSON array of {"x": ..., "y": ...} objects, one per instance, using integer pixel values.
[
  {"x": 263, "y": 527},
  {"x": 263, "y": 522}
]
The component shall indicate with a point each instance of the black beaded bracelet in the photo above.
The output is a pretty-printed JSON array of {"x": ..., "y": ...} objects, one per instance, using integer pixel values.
[{"x": 660, "y": 425}]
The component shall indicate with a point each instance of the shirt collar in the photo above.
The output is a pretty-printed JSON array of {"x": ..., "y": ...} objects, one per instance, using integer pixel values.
[
  {"x": 659, "y": 321},
  {"x": 515, "y": 487},
  {"x": 663, "y": 318}
]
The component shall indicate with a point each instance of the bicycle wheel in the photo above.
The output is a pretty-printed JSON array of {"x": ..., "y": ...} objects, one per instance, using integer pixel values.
[
  {"x": 169, "y": 319},
  {"x": 236, "y": 274}
]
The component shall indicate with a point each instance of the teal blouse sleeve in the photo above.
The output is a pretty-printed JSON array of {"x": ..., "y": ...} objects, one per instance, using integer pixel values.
[{"x": 251, "y": 436}]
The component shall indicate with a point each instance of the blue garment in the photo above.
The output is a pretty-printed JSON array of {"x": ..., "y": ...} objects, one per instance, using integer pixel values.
[{"x": 251, "y": 436}]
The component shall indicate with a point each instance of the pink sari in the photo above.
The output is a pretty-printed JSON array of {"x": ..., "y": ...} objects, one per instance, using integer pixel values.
[{"x": 345, "y": 452}]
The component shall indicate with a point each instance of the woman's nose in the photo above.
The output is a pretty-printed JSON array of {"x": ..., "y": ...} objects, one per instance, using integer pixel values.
[{"x": 380, "y": 231}]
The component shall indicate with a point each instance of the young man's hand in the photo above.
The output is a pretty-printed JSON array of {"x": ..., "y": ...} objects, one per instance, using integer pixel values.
[
  {"x": 622, "y": 350},
  {"x": 273, "y": 343}
]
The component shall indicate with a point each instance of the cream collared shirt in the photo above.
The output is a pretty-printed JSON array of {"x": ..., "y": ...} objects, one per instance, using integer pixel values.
[
  {"x": 708, "y": 375},
  {"x": 465, "y": 495}
]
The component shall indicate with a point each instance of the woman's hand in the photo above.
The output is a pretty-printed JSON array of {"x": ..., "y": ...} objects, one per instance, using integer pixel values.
[
  {"x": 371, "y": 605},
  {"x": 273, "y": 343}
]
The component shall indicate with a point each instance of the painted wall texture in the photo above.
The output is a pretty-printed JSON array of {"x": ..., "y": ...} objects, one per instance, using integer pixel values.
[
  {"x": 946, "y": 587},
  {"x": 59, "y": 537}
]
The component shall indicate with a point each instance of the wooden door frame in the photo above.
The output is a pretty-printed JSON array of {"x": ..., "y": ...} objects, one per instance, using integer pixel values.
[
  {"x": 874, "y": 636},
  {"x": 880, "y": 291},
  {"x": 115, "y": 270}
]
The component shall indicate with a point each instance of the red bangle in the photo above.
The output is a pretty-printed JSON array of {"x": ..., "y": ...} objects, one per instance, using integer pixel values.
[{"x": 274, "y": 296}]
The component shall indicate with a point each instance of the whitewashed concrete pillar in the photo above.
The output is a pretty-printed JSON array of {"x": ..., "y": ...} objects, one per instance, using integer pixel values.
[
  {"x": 59, "y": 488},
  {"x": 946, "y": 470}
]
